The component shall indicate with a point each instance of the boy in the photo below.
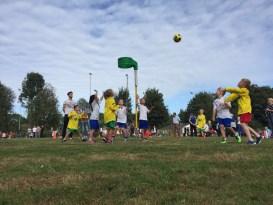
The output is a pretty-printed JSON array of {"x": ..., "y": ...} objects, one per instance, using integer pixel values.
[
  {"x": 223, "y": 116},
  {"x": 192, "y": 121},
  {"x": 241, "y": 93},
  {"x": 201, "y": 122},
  {"x": 73, "y": 123},
  {"x": 176, "y": 127},
  {"x": 67, "y": 108},
  {"x": 110, "y": 115}
]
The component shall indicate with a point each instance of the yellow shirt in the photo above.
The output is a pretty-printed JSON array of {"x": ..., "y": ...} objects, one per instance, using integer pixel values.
[
  {"x": 74, "y": 118},
  {"x": 84, "y": 116},
  {"x": 244, "y": 101},
  {"x": 110, "y": 110},
  {"x": 201, "y": 121}
]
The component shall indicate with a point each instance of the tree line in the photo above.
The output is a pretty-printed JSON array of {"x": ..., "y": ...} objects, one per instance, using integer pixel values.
[{"x": 42, "y": 107}]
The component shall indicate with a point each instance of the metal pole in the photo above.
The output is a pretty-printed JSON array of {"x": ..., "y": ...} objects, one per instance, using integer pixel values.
[
  {"x": 136, "y": 114},
  {"x": 90, "y": 78}
]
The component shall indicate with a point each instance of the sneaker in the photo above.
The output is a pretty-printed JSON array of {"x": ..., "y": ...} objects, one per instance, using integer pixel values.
[
  {"x": 251, "y": 142},
  {"x": 238, "y": 139},
  {"x": 224, "y": 142},
  {"x": 259, "y": 140}
]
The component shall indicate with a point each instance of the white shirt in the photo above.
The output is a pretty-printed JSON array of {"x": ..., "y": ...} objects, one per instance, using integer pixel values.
[
  {"x": 68, "y": 106},
  {"x": 95, "y": 114},
  {"x": 34, "y": 129},
  {"x": 221, "y": 109},
  {"x": 176, "y": 120},
  {"x": 143, "y": 112},
  {"x": 122, "y": 115}
]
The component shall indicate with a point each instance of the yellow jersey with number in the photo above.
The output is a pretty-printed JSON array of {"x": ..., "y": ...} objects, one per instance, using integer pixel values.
[
  {"x": 110, "y": 110},
  {"x": 74, "y": 118},
  {"x": 201, "y": 121}
]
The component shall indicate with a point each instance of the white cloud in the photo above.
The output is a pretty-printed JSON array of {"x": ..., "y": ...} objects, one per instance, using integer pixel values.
[{"x": 65, "y": 40}]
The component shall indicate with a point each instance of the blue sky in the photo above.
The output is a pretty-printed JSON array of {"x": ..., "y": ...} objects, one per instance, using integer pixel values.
[{"x": 66, "y": 39}]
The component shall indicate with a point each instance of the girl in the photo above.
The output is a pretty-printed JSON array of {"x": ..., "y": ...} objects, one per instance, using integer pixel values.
[
  {"x": 143, "y": 117},
  {"x": 201, "y": 122},
  {"x": 94, "y": 103},
  {"x": 122, "y": 119}
]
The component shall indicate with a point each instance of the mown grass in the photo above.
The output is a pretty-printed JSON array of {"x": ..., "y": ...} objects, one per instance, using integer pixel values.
[{"x": 160, "y": 171}]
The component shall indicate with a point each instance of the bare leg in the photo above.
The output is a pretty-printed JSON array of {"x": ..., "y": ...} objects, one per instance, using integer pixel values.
[
  {"x": 253, "y": 132},
  {"x": 223, "y": 132},
  {"x": 247, "y": 131}
]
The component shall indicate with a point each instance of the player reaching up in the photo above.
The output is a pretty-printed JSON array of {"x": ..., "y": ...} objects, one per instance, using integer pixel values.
[{"x": 241, "y": 94}]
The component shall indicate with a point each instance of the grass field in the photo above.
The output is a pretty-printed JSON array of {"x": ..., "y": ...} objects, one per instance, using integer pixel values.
[{"x": 161, "y": 171}]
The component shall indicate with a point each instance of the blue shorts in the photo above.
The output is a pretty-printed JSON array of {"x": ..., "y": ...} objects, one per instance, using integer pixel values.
[
  {"x": 121, "y": 125},
  {"x": 94, "y": 125},
  {"x": 143, "y": 124},
  {"x": 224, "y": 121}
]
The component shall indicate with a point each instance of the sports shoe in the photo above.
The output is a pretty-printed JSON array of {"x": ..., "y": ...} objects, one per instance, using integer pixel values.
[
  {"x": 224, "y": 142},
  {"x": 238, "y": 138},
  {"x": 259, "y": 140},
  {"x": 251, "y": 142}
]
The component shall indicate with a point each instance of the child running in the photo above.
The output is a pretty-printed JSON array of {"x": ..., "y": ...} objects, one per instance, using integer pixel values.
[
  {"x": 122, "y": 119},
  {"x": 143, "y": 117},
  {"x": 73, "y": 123},
  {"x": 241, "y": 94},
  {"x": 223, "y": 116},
  {"x": 94, "y": 103},
  {"x": 110, "y": 115},
  {"x": 201, "y": 123}
]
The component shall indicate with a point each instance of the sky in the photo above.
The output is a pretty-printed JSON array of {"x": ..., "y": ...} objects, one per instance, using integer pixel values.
[{"x": 65, "y": 40}]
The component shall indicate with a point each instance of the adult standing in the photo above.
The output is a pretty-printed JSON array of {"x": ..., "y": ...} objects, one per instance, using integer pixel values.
[
  {"x": 68, "y": 106},
  {"x": 192, "y": 121},
  {"x": 269, "y": 114},
  {"x": 176, "y": 127}
]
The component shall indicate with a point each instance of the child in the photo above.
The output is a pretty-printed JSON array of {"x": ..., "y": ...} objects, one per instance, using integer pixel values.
[
  {"x": 241, "y": 93},
  {"x": 176, "y": 125},
  {"x": 269, "y": 114},
  {"x": 223, "y": 116},
  {"x": 84, "y": 125},
  {"x": 110, "y": 115},
  {"x": 94, "y": 103},
  {"x": 143, "y": 118},
  {"x": 201, "y": 122},
  {"x": 73, "y": 123},
  {"x": 122, "y": 119}
]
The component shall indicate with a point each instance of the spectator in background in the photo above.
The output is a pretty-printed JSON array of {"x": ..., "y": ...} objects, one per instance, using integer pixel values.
[
  {"x": 176, "y": 126},
  {"x": 269, "y": 114},
  {"x": 192, "y": 121},
  {"x": 34, "y": 131},
  {"x": 38, "y": 131}
]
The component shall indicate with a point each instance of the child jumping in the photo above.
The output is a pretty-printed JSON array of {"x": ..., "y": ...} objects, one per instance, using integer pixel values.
[
  {"x": 223, "y": 116},
  {"x": 94, "y": 103},
  {"x": 110, "y": 115},
  {"x": 73, "y": 123},
  {"x": 201, "y": 123},
  {"x": 122, "y": 119},
  {"x": 241, "y": 93}
]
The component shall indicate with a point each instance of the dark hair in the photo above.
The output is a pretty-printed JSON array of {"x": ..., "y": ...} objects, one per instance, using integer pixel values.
[
  {"x": 69, "y": 92},
  {"x": 75, "y": 106},
  {"x": 247, "y": 82},
  {"x": 108, "y": 93},
  {"x": 91, "y": 100}
]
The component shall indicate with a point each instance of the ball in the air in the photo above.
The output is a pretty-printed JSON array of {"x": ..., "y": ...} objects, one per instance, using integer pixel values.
[{"x": 177, "y": 37}]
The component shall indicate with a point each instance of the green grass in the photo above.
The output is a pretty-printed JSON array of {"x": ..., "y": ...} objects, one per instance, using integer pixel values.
[{"x": 161, "y": 171}]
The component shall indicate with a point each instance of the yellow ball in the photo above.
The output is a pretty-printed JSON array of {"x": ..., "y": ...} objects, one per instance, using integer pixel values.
[{"x": 177, "y": 37}]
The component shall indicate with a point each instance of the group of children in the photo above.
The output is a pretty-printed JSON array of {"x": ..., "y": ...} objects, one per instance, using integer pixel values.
[
  {"x": 115, "y": 115},
  {"x": 115, "y": 118},
  {"x": 223, "y": 117}
]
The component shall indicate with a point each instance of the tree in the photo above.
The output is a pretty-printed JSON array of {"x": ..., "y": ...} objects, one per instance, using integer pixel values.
[
  {"x": 202, "y": 100},
  {"x": 46, "y": 108},
  {"x": 124, "y": 94},
  {"x": 32, "y": 85},
  {"x": 183, "y": 115},
  {"x": 7, "y": 98},
  {"x": 159, "y": 115},
  {"x": 259, "y": 97},
  {"x": 83, "y": 105}
]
